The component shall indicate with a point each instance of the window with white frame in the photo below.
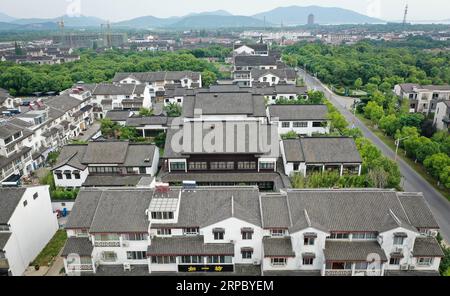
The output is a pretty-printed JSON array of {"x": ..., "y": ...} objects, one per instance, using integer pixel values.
[
  {"x": 309, "y": 241},
  {"x": 394, "y": 261},
  {"x": 425, "y": 261},
  {"x": 136, "y": 236},
  {"x": 191, "y": 259},
  {"x": 219, "y": 233},
  {"x": 163, "y": 260},
  {"x": 278, "y": 261},
  {"x": 308, "y": 261},
  {"x": 164, "y": 231},
  {"x": 247, "y": 253},
  {"x": 191, "y": 231},
  {"x": 300, "y": 124},
  {"x": 285, "y": 124},
  {"x": 398, "y": 240},
  {"x": 136, "y": 255},
  {"x": 109, "y": 256},
  {"x": 277, "y": 232},
  {"x": 219, "y": 259}
]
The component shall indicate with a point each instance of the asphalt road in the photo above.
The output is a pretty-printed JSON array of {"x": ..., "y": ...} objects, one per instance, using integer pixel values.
[{"x": 412, "y": 181}]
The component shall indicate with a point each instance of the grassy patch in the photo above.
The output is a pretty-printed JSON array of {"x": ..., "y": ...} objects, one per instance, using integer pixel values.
[
  {"x": 418, "y": 167},
  {"x": 51, "y": 250}
]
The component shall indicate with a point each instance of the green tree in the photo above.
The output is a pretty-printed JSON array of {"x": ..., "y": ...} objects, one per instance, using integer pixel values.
[
  {"x": 208, "y": 78},
  {"x": 390, "y": 124},
  {"x": 436, "y": 164},
  {"x": 173, "y": 110},
  {"x": 145, "y": 112},
  {"x": 358, "y": 83}
]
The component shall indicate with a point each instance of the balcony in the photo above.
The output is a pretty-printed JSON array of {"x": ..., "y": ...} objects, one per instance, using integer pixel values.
[
  {"x": 338, "y": 272},
  {"x": 4, "y": 264},
  {"x": 349, "y": 272},
  {"x": 79, "y": 267},
  {"x": 107, "y": 244}
]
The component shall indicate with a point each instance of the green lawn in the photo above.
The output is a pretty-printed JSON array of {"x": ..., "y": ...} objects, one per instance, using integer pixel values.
[
  {"x": 51, "y": 250},
  {"x": 401, "y": 153}
]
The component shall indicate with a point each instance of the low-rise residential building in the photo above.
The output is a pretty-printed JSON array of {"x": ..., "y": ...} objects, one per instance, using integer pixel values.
[
  {"x": 423, "y": 98},
  {"x": 258, "y": 49},
  {"x": 320, "y": 154},
  {"x": 237, "y": 230},
  {"x": 348, "y": 232},
  {"x": 442, "y": 116},
  {"x": 106, "y": 163},
  {"x": 288, "y": 92},
  {"x": 158, "y": 80},
  {"x": 248, "y": 63},
  {"x": 274, "y": 76},
  {"x": 305, "y": 120},
  {"x": 27, "y": 223},
  {"x": 149, "y": 126}
]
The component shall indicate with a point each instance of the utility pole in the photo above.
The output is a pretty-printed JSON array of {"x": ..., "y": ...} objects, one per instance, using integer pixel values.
[{"x": 397, "y": 143}]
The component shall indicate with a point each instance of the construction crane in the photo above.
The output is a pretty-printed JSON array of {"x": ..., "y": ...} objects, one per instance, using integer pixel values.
[{"x": 405, "y": 15}]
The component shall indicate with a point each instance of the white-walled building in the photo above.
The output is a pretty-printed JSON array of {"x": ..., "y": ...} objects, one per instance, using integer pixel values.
[
  {"x": 274, "y": 76},
  {"x": 442, "y": 116},
  {"x": 258, "y": 49},
  {"x": 237, "y": 230},
  {"x": 321, "y": 154},
  {"x": 158, "y": 80},
  {"x": 250, "y": 62},
  {"x": 423, "y": 98},
  {"x": 111, "y": 163},
  {"x": 27, "y": 224},
  {"x": 304, "y": 120}
]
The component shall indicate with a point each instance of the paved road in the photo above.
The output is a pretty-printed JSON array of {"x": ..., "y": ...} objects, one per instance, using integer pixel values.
[{"x": 412, "y": 181}]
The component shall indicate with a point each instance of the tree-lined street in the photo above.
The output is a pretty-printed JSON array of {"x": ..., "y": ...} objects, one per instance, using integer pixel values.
[{"x": 412, "y": 181}]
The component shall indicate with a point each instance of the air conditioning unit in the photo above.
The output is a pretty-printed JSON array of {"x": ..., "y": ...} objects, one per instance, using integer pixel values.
[
  {"x": 433, "y": 233},
  {"x": 256, "y": 262},
  {"x": 404, "y": 267},
  {"x": 412, "y": 267},
  {"x": 127, "y": 266}
]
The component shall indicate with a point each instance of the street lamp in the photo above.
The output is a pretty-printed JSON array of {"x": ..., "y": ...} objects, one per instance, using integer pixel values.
[{"x": 397, "y": 143}]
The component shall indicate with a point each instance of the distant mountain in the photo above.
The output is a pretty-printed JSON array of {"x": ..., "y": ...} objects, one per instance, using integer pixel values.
[
  {"x": 69, "y": 21},
  {"x": 28, "y": 27},
  {"x": 4, "y": 18},
  {"x": 147, "y": 22},
  {"x": 216, "y": 12},
  {"x": 217, "y": 21},
  {"x": 297, "y": 15}
]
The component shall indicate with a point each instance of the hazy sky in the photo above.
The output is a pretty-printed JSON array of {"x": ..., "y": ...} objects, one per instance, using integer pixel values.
[{"x": 115, "y": 10}]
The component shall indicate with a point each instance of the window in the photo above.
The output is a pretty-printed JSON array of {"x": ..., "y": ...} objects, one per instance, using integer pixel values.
[
  {"x": 361, "y": 265},
  {"x": 138, "y": 255},
  {"x": 286, "y": 124},
  {"x": 164, "y": 231},
  {"x": 336, "y": 235},
  {"x": 219, "y": 233},
  {"x": 308, "y": 261},
  {"x": 300, "y": 124},
  {"x": 190, "y": 231},
  {"x": 247, "y": 235},
  {"x": 76, "y": 174},
  {"x": 162, "y": 215},
  {"x": 364, "y": 235},
  {"x": 68, "y": 175},
  {"x": 198, "y": 166},
  {"x": 222, "y": 165},
  {"x": 25, "y": 203},
  {"x": 318, "y": 124},
  {"x": 398, "y": 240},
  {"x": 424, "y": 261},
  {"x": 177, "y": 166},
  {"x": 278, "y": 261},
  {"x": 246, "y": 165},
  {"x": 219, "y": 259},
  {"x": 247, "y": 253},
  {"x": 109, "y": 256},
  {"x": 106, "y": 237},
  {"x": 136, "y": 236},
  {"x": 267, "y": 166},
  {"x": 36, "y": 195},
  {"x": 277, "y": 232},
  {"x": 191, "y": 259},
  {"x": 394, "y": 261},
  {"x": 309, "y": 241},
  {"x": 163, "y": 260}
]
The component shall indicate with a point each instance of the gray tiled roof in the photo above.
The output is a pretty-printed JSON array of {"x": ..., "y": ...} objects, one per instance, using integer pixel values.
[
  {"x": 111, "y": 152},
  {"x": 63, "y": 103},
  {"x": 254, "y": 61},
  {"x": 84, "y": 209},
  {"x": 120, "y": 211},
  {"x": 71, "y": 155},
  {"x": 81, "y": 246},
  {"x": 117, "y": 115},
  {"x": 112, "y": 180},
  {"x": 333, "y": 210},
  {"x": 244, "y": 135},
  {"x": 427, "y": 247},
  {"x": 140, "y": 155},
  {"x": 207, "y": 206},
  {"x": 225, "y": 103},
  {"x": 220, "y": 177},
  {"x": 9, "y": 199},
  {"x": 114, "y": 89},
  {"x": 279, "y": 246},
  {"x": 187, "y": 246},
  {"x": 4, "y": 237},
  {"x": 417, "y": 210},
  {"x": 284, "y": 74},
  {"x": 322, "y": 150},
  {"x": 298, "y": 112},
  {"x": 352, "y": 251},
  {"x": 149, "y": 120},
  {"x": 274, "y": 210}
]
